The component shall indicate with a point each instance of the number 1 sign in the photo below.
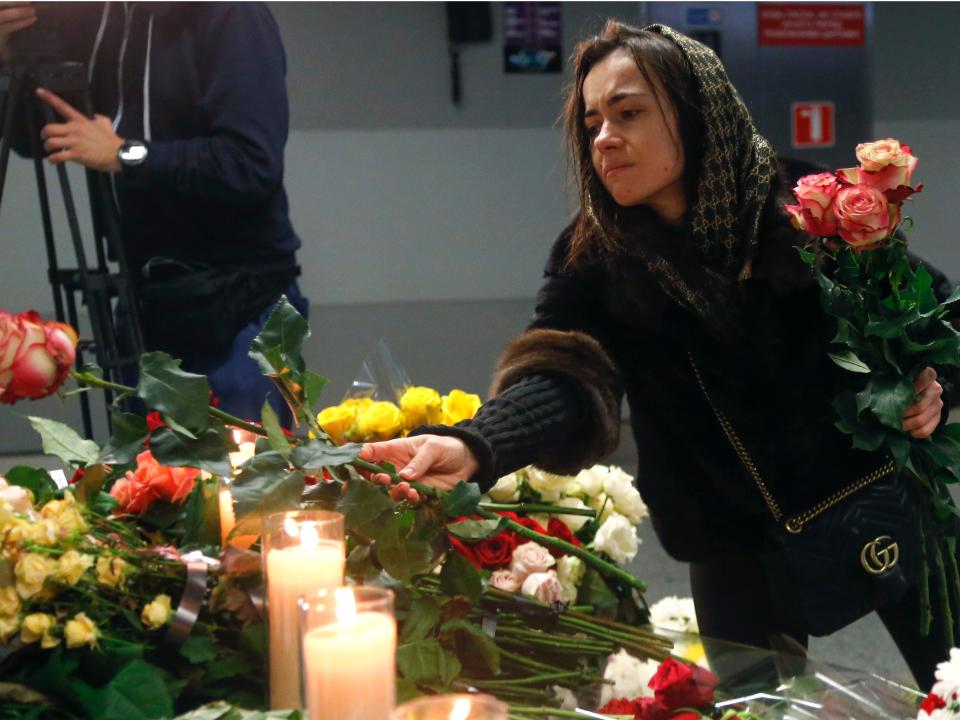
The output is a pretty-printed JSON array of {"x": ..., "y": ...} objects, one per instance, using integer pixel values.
[{"x": 812, "y": 124}]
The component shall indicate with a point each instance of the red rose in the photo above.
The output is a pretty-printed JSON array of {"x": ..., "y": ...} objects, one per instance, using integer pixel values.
[
  {"x": 621, "y": 706},
  {"x": 932, "y": 702},
  {"x": 681, "y": 685},
  {"x": 77, "y": 476},
  {"x": 526, "y": 522},
  {"x": 35, "y": 356},
  {"x": 154, "y": 420},
  {"x": 559, "y": 530},
  {"x": 814, "y": 212},
  {"x": 496, "y": 551},
  {"x": 652, "y": 708}
]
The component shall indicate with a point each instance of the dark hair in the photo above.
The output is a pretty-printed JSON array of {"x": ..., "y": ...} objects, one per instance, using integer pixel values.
[{"x": 664, "y": 66}]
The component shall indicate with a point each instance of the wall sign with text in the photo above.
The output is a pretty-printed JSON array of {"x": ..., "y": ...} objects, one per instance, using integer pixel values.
[
  {"x": 532, "y": 37},
  {"x": 811, "y": 24}
]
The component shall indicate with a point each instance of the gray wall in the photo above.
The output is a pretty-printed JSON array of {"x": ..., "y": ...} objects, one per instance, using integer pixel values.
[{"x": 428, "y": 225}]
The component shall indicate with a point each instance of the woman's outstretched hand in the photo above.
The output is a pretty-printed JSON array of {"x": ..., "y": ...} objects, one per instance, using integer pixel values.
[
  {"x": 922, "y": 418},
  {"x": 435, "y": 460}
]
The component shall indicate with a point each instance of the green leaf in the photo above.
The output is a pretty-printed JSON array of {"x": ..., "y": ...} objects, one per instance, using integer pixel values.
[
  {"x": 201, "y": 524},
  {"x": 264, "y": 486},
  {"x": 61, "y": 440},
  {"x": 316, "y": 454},
  {"x": 595, "y": 591},
  {"x": 473, "y": 530},
  {"x": 401, "y": 555},
  {"x": 182, "y": 397},
  {"x": 363, "y": 502},
  {"x": 899, "y": 446},
  {"x": 849, "y": 361},
  {"x": 137, "y": 692},
  {"x": 887, "y": 398},
  {"x": 278, "y": 441},
  {"x": 313, "y": 385},
  {"x": 207, "y": 452},
  {"x": 472, "y": 642},
  {"x": 460, "y": 577},
  {"x": 462, "y": 500},
  {"x": 892, "y": 327},
  {"x": 230, "y": 666},
  {"x": 198, "y": 649},
  {"x": 424, "y": 660},
  {"x": 279, "y": 346},
  {"x": 129, "y": 432},
  {"x": 421, "y": 618},
  {"x": 35, "y": 480}
]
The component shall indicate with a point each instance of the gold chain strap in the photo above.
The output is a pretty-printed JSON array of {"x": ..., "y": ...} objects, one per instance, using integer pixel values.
[{"x": 794, "y": 524}]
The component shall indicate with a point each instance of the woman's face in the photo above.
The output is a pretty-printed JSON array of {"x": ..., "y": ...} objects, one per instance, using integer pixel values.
[{"x": 635, "y": 149}]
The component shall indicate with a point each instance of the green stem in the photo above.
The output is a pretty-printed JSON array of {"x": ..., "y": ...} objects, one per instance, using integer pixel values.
[
  {"x": 529, "y": 679},
  {"x": 549, "y": 711},
  {"x": 529, "y": 662},
  {"x": 538, "y": 508}
]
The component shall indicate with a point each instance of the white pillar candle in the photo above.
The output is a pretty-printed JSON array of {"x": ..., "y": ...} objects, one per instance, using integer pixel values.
[
  {"x": 295, "y": 571},
  {"x": 350, "y": 664},
  {"x": 452, "y": 707}
]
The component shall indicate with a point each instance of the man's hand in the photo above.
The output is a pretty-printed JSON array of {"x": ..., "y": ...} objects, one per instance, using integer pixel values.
[
  {"x": 923, "y": 416},
  {"x": 92, "y": 143},
  {"x": 14, "y": 16}
]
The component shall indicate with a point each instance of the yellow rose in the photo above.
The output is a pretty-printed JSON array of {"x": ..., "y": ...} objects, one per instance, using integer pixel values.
[
  {"x": 111, "y": 571},
  {"x": 9, "y": 601},
  {"x": 157, "y": 613},
  {"x": 8, "y": 627},
  {"x": 37, "y": 627},
  {"x": 420, "y": 406},
  {"x": 42, "y": 532},
  {"x": 66, "y": 514},
  {"x": 355, "y": 405},
  {"x": 380, "y": 421},
  {"x": 337, "y": 422},
  {"x": 459, "y": 405},
  {"x": 80, "y": 631},
  {"x": 72, "y": 565},
  {"x": 30, "y": 571}
]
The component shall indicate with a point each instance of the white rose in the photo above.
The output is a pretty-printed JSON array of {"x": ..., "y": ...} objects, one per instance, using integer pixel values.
[
  {"x": 544, "y": 586},
  {"x": 570, "y": 572},
  {"x": 617, "y": 538},
  {"x": 547, "y": 485},
  {"x": 602, "y": 504},
  {"x": 627, "y": 677},
  {"x": 506, "y": 489},
  {"x": 631, "y": 505},
  {"x": 505, "y": 580},
  {"x": 574, "y": 522},
  {"x": 675, "y": 613},
  {"x": 565, "y": 698},
  {"x": 591, "y": 480},
  {"x": 626, "y": 499},
  {"x": 531, "y": 558}
]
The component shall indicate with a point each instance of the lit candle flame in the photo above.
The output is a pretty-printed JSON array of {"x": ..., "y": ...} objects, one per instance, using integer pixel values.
[
  {"x": 346, "y": 605},
  {"x": 461, "y": 709},
  {"x": 237, "y": 436},
  {"x": 290, "y": 527}
]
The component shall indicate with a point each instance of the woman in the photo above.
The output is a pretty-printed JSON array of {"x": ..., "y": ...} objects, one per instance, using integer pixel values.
[{"x": 681, "y": 263}]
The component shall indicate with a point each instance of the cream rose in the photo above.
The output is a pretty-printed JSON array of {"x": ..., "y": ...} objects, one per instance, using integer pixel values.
[
  {"x": 157, "y": 612},
  {"x": 547, "y": 485},
  {"x": 66, "y": 514},
  {"x": 590, "y": 481},
  {"x": 505, "y": 580},
  {"x": 574, "y": 522},
  {"x": 506, "y": 489},
  {"x": 17, "y": 498},
  {"x": 72, "y": 565},
  {"x": 674, "y": 613},
  {"x": 80, "y": 631},
  {"x": 626, "y": 677},
  {"x": 543, "y": 586},
  {"x": 570, "y": 572},
  {"x": 531, "y": 558},
  {"x": 111, "y": 571},
  {"x": 626, "y": 499},
  {"x": 617, "y": 538},
  {"x": 864, "y": 217}
]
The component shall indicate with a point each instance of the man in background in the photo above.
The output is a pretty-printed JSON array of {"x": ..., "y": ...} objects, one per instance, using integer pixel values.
[{"x": 191, "y": 122}]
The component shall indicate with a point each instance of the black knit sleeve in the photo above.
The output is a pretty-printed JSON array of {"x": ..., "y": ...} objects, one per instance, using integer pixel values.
[{"x": 520, "y": 426}]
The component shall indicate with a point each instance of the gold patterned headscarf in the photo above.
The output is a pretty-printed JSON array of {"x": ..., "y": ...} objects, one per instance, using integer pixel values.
[{"x": 736, "y": 174}]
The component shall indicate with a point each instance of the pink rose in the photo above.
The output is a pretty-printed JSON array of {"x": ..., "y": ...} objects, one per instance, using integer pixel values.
[
  {"x": 35, "y": 357},
  {"x": 531, "y": 558},
  {"x": 814, "y": 214},
  {"x": 505, "y": 580},
  {"x": 864, "y": 217},
  {"x": 544, "y": 586}
]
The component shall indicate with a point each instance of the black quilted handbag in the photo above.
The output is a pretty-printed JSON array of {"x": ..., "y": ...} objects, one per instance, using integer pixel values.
[{"x": 849, "y": 554}]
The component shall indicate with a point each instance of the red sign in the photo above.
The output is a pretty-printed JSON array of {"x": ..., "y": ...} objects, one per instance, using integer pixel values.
[
  {"x": 811, "y": 24},
  {"x": 812, "y": 124}
]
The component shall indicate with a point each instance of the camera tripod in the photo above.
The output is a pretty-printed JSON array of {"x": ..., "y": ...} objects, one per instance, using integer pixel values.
[{"x": 116, "y": 347}]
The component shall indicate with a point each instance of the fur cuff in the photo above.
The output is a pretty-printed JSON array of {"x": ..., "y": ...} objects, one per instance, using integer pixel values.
[{"x": 580, "y": 359}]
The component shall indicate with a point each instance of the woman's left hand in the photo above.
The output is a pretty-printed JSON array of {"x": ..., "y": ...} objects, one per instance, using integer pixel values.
[{"x": 922, "y": 418}]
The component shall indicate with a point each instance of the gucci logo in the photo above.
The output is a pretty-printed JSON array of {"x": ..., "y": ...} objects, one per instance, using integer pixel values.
[{"x": 879, "y": 555}]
